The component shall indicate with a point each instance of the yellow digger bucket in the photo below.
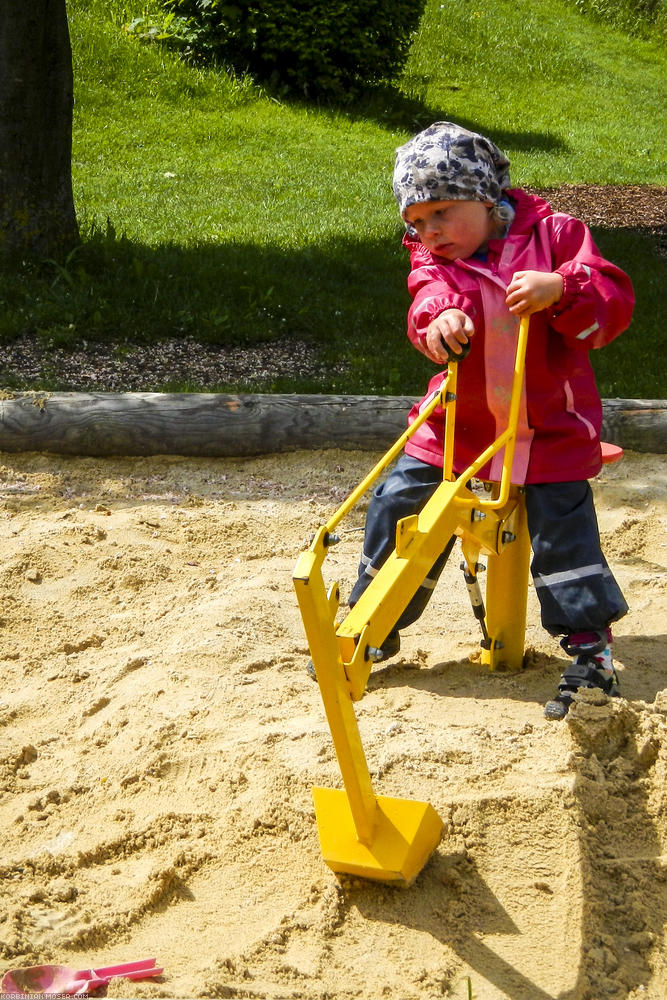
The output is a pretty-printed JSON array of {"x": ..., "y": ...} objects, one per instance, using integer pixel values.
[
  {"x": 376, "y": 837},
  {"x": 404, "y": 836}
]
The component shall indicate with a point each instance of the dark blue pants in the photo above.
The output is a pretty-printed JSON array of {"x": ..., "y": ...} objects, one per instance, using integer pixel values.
[{"x": 575, "y": 587}]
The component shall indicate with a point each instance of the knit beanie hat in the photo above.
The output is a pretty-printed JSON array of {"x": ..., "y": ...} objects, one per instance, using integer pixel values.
[{"x": 446, "y": 162}]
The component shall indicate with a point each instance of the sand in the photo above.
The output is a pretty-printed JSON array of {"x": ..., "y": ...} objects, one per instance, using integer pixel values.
[{"x": 159, "y": 739}]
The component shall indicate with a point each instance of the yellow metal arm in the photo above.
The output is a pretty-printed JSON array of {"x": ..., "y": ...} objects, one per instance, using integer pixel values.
[{"x": 391, "y": 839}]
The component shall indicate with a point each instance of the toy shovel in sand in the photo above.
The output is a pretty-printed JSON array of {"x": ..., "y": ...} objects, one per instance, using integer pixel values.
[{"x": 60, "y": 979}]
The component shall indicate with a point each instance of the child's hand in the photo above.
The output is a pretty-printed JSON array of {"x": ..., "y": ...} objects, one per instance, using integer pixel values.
[
  {"x": 530, "y": 291},
  {"x": 446, "y": 333}
]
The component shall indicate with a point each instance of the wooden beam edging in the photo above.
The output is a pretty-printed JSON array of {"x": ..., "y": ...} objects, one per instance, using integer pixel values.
[{"x": 217, "y": 425}]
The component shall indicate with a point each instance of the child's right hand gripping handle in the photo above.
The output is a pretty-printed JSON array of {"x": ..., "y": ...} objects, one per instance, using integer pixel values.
[{"x": 452, "y": 357}]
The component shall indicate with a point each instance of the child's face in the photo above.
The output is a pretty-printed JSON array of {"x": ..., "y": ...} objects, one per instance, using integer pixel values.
[{"x": 452, "y": 229}]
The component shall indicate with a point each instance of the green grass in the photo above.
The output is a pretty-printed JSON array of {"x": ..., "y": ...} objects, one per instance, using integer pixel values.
[
  {"x": 208, "y": 208},
  {"x": 569, "y": 99}
]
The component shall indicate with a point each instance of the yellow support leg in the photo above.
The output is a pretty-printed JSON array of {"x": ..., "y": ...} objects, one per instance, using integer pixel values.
[{"x": 507, "y": 595}]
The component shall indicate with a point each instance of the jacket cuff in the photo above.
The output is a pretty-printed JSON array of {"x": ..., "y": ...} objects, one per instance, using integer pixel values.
[
  {"x": 428, "y": 308},
  {"x": 570, "y": 291}
]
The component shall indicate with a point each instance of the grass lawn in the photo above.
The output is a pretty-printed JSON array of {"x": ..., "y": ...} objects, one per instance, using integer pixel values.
[{"x": 210, "y": 209}]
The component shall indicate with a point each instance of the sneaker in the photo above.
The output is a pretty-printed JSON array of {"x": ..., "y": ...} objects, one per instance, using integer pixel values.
[
  {"x": 390, "y": 647},
  {"x": 591, "y": 667}
]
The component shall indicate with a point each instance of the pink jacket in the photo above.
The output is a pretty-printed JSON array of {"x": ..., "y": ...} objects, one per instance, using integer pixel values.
[{"x": 561, "y": 411}]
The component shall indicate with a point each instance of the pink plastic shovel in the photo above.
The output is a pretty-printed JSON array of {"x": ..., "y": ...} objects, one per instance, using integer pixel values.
[{"x": 60, "y": 979}]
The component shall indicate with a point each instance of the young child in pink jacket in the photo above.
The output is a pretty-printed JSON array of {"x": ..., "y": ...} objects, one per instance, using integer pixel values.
[{"x": 482, "y": 255}]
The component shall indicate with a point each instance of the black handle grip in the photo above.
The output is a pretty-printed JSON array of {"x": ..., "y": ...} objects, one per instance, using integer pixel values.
[{"x": 452, "y": 357}]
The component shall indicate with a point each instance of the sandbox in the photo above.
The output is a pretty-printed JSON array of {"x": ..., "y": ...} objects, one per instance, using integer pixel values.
[{"x": 159, "y": 739}]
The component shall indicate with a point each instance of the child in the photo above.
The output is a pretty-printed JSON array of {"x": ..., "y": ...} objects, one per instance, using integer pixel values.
[{"x": 482, "y": 255}]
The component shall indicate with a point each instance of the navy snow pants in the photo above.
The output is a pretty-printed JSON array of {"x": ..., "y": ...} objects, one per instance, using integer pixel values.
[{"x": 576, "y": 589}]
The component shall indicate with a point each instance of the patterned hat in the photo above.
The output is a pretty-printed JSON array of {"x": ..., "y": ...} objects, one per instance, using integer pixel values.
[{"x": 448, "y": 163}]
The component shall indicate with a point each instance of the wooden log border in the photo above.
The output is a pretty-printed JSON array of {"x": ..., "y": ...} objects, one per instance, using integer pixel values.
[{"x": 215, "y": 425}]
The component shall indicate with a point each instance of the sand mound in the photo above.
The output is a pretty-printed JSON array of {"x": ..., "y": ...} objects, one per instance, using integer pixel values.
[{"x": 159, "y": 739}]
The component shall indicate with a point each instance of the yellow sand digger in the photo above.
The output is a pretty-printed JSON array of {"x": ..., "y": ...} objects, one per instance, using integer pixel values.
[{"x": 376, "y": 837}]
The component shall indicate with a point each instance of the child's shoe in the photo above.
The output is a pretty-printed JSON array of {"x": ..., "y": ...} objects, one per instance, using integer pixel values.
[
  {"x": 390, "y": 647},
  {"x": 591, "y": 667}
]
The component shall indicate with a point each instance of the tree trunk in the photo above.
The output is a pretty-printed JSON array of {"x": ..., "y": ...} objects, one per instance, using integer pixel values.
[{"x": 37, "y": 217}]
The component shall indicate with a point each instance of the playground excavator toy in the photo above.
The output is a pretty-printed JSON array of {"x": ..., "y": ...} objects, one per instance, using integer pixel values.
[{"x": 376, "y": 837}]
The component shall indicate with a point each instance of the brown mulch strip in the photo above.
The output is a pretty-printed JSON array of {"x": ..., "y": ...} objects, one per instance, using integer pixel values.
[{"x": 622, "y": 207}]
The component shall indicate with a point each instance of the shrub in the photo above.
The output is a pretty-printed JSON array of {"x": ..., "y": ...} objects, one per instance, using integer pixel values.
[{"x": 318, "y": 48}]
